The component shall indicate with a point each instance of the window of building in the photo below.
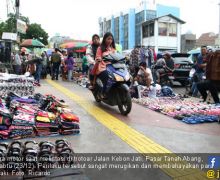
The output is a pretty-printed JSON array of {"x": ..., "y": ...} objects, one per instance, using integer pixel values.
[
  {"x": 125, "y": 31},
  {"x": 151, "y": 29},
  {"x": 116, "y": 30},
  {"x": 108, "y": 26},
  {"x": 162, "y": 29},
  {"x": 145, "y": 31},
  {"x": 139, "y": 17},
  {"x": 172, "y": 29},
  {"x": 148, "y": 30},
  {"x": 137, "y": 35},
  {"x": 151, "y": 14}
]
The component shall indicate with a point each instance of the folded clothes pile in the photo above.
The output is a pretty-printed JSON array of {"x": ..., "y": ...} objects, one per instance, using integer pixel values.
[
  {"x": 18, "y": 132},
  {"x": 4, "y": 134},
  {"x": 46, "y": 123},
  {"x": 5, "y": 122},
  {"x": 69, "y": 123},
  {"x": 36, "y": 115}
]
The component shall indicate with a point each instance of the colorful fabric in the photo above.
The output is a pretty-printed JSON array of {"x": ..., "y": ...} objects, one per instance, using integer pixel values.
[
  {"x": 4, "y": 134},
  {"x": 23, "y": 120},
  {"x": 69, "y": 117},
  {"x": 46, "y": 114},
  {"x": 3, "y": 127},
  {"x": 43, "y": 119},
  {"x": 5, "y": 120}
]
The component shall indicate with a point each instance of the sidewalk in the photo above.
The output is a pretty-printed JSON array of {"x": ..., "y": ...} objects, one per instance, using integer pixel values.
[{"x": 104, "y": 130}]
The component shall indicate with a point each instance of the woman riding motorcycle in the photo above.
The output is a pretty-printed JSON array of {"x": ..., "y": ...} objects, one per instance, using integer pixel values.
[{"x": 107, "y": 47}]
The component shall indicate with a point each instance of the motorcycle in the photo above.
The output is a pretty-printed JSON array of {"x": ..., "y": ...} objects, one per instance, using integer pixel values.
[
  {"x": 117, "y": 87},
  {"x": 166, "y": 78}
]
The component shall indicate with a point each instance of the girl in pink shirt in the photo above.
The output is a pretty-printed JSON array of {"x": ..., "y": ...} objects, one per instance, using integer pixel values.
[{"x": 107, "y": 46}]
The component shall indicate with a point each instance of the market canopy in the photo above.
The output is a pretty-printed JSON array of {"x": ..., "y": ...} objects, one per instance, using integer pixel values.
[
  {"x": 32, "y": 43},
  {"x": 75, "y": 44}
]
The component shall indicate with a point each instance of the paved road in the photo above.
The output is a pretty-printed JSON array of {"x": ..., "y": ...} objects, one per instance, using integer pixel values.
[{"x": 104, "y": 130}]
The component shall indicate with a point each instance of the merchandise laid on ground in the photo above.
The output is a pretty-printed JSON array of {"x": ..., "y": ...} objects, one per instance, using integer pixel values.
[
  {"x": 38, "y": 160},
  {"x": 185, "y": 109},
  {"x": 19, "y": 84},
  {"x": 36, "y": 115}
]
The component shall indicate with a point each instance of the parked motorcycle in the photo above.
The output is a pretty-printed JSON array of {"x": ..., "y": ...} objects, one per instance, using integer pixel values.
[
  {"x": 166, "y": 79},
  {"x": 117, "y": 91}
]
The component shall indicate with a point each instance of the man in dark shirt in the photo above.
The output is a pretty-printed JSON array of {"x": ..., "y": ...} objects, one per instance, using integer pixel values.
[
  {"x": 200, "y": 69},
  {"x": 55, "y": 60},
  {"x": 168, "y": 67}
]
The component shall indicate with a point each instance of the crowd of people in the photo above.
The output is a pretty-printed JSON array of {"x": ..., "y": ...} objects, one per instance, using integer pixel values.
[{"x": 145, "y": 66}]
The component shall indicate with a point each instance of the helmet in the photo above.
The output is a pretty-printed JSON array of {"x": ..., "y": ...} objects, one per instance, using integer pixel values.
[{"x": 167, "y": 91}]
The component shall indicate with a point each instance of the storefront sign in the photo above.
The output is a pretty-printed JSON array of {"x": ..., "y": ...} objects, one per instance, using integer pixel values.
[{"x": 9, "y": 36}]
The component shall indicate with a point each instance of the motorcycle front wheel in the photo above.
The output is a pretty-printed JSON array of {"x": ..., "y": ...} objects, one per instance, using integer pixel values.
[{"x": 125, "y": 107}]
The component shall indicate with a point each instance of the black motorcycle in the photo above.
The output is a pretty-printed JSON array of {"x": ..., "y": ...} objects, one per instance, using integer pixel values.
[{"x": 117, "y": 92}]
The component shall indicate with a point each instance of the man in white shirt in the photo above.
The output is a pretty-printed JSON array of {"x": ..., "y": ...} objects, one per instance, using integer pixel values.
[
  {"x": 17, "y": 64},
  {"x": 144, "y": 75}
]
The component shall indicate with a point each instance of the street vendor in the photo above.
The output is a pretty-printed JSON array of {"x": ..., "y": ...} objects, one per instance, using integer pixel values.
[{"x": 144, "y": 75}]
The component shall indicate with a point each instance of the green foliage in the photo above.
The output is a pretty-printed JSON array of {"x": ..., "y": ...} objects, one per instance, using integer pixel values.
[
  {"x": 34, "y": 30},
  {"x": 2, "y": 28}
]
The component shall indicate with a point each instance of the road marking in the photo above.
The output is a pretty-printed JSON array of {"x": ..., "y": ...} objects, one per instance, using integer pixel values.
[{"x": 135, "y": 139}]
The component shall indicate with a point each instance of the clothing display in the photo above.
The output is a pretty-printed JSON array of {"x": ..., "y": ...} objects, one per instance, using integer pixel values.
[
  {"x": 187, "y": 110},
  {"x": 37, "y": 115}
]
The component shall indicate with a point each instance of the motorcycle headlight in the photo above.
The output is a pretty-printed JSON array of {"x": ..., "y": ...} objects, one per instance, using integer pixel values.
[
  {"x": 127, "y": 77},
  {"x": 118, "y": 78}
]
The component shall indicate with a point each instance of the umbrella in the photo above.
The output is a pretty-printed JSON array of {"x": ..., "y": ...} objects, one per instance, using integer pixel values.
[
  {"x": 32, "y": 43},
  {"x": 74, "y": 44}
]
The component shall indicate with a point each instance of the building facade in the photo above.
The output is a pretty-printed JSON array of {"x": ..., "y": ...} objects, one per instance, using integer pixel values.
[
  {"x": 163, "y": 33},
  {"x": 188, "y": 42},
  {"x": 126, "y": 26},
  {"x": 208, "y": 39},
  {"x": 56, "y": 40}
]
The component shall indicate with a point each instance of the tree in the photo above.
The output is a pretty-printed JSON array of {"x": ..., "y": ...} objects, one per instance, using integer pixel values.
[
  {"x": 10, "y": 24},
  {"x": 35, "y": 31},
  {"x": 2, "y": 28}
]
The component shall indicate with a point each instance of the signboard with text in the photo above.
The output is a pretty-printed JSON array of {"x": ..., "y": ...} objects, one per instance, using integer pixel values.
[
  {"x": 9, "y": 36},
  {"x": 21, "y": 26}
]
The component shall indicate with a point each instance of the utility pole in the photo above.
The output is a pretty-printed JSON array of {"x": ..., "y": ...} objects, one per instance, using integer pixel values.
[
  {"x": 219, "y": 20},
  {"x": 17, "y": 5}
]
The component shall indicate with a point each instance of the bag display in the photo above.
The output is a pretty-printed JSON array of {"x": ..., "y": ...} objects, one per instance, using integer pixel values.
[{"x": 21, "y": 118}]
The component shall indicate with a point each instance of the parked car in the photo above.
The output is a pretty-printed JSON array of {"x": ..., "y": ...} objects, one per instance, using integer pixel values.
[{"x": 182, "y": 66}]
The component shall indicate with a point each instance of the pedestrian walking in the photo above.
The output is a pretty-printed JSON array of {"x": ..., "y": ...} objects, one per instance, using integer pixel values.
[
  {"x": 55, "y": 60},
  {"x": 16, "y": 63},
  {"x": 69, "y": 62}
]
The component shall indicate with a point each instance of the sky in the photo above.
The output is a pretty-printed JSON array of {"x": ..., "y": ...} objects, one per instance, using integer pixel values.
[{"x": 79, "y": 18}]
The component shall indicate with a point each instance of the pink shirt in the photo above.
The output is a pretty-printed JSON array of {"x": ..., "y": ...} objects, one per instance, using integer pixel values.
[{"x": 99, "y": 54}]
